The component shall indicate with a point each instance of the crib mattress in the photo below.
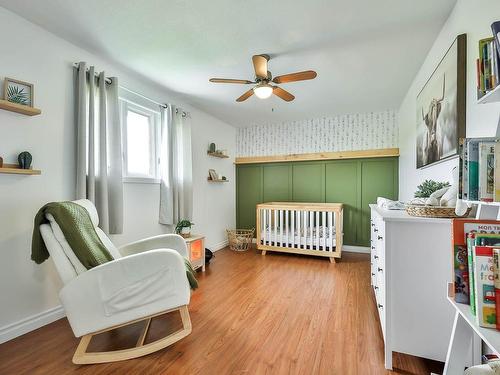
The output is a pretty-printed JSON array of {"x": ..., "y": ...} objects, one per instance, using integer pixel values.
[{"x": 277, "y": 239}]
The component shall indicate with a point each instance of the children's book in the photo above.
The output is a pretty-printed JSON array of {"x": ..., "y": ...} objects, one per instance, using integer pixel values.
[
  {"x": 497, "y": 174},
  {"x": 486, "y": 171},
  {"x": 470, "y": 258},
  {"x": 496, "y": 276},
  {"x": 460, "y": 229},
  {"x": 473, "y": 168},
  {"x": 484, "y": 286}
]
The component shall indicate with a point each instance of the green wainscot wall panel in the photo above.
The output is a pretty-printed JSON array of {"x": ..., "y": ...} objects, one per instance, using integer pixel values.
[
  {"x": 308, "y": 182},
  {"x": 379, "y": 178},
  {"x": 248, "y": 194},
  {"x": 342, "y": 186},
  {"x": 355, "y": 183},
  {"x": 276, "y": 182}
]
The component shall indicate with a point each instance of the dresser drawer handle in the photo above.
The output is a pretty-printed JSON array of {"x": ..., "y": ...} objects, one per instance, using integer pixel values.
[
  {"x": 379, "y": 269},
  {"x": 373, "y": 247},
  {"x": 379, "y": 237},
  {"x": 373, "y": 274},
  {"x": 380, "y": 306},
  {"x": 375, "y": 230},
  {"x": 375, "y": 256},
  {"x": 373, "y": 224},
  {"x": 375, "y": 287}
]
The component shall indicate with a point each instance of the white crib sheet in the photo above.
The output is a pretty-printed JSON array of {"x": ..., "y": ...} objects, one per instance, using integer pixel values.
[{"x": 279, "y": 239}]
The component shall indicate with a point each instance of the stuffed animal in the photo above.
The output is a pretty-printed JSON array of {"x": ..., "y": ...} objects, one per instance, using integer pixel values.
[{"x": 449, "y": 198}]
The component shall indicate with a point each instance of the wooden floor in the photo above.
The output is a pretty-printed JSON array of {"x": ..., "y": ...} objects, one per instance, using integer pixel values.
[{"x": 278, "y": 314}]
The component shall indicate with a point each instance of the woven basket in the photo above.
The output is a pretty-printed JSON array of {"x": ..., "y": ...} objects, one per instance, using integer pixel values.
[
  {"x": 239, "y": 239},
  {"x": 433, "y": 211}
]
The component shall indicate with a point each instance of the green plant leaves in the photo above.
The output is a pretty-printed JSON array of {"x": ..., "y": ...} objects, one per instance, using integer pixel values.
[
  {"x": 17, "y": 95},
  {"x": 426, "y": 188}
]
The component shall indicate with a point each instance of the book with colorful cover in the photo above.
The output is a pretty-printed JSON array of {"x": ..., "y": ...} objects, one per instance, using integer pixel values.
[
  {"x": 460, "y": 229},
  {"x": 486, "y": 171},
  {"x": 497, "y": 173},
  {"x": 484, "y": 286},
  {"x": 473, "y": 168},
  {"x": 496, "y": 282},
  {"x": 465, "y": 173},
  {"x": 470, "y": 258}
]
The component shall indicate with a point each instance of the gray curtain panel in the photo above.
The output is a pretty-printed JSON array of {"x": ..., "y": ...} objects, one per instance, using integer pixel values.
[
  {"x": 176, "y": 169},
  {"x": 99, "y": 148}
]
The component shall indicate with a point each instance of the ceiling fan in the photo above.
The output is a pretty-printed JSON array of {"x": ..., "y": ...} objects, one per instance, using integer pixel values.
[{"x": 263, "y": 78}]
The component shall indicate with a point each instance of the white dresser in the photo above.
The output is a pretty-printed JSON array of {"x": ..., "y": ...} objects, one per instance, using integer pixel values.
[{"x": 411, "y": 266}]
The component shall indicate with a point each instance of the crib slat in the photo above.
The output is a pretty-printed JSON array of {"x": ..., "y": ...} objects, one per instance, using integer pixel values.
[
  {"x": 311, "y": 227},
  {"x": 318, "y": 236},
  {"x": 304, "y": 228},
  {"x": 292, "y": 227},
  {"x": 269, "y": 224},
  {"x": 324, "y": 226},
  {"x": 275, "y": 227},
  {"x": 287, "y": 212},
  {"x": 330, "y": 232},
  {"x": 298, "y": 226},
  {"x": 281, "y": 228},
  {"x": 264, "y": 224}
]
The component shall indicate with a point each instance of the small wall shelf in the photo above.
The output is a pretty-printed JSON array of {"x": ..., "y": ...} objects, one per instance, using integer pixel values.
[
  {"x": 15, "y": 169},
  {"x": 217, "y": 155},
  {"x": 492, "y": 97},
  {"x": 210, "y": 180},
  {"x": 19, "y": 108}
]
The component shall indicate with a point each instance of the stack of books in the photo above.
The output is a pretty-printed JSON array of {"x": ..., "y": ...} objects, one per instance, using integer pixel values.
[
  {"x": 488, "y": 63},
  {"x": 476, "y": 259},
  {"x": 479, "y": 170}
]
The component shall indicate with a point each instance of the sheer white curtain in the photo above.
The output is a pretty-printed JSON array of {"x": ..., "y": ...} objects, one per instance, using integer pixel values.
[
  {"x": 176, "y": 187},
  {"x": 99, "y": 150}
]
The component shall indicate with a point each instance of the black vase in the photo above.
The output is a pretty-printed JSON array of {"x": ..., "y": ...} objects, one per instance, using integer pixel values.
[{"x": 24, "y": 159}]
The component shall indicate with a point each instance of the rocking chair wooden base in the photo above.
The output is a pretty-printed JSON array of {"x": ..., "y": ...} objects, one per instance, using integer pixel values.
[{"x": 82, "y": 357}]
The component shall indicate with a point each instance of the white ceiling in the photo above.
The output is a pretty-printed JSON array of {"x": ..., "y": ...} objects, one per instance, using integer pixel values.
[{"x": 365, "y": 52}]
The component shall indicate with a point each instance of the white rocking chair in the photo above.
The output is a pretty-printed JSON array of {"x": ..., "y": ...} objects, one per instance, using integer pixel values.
[{"x": 147, "y": 278}]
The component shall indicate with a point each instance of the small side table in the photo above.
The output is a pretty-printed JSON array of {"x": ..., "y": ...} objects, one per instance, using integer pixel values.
[{"x": 196, "y": 251}]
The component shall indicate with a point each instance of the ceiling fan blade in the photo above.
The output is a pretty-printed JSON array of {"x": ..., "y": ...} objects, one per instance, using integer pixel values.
[
  {"x": 292, "y": 77},
  {"x": 283, "y": 94},
  {"x": 227, "y": 80},
  {"x": 260, "y": 65},
  {"x": 245, "y": 96}
]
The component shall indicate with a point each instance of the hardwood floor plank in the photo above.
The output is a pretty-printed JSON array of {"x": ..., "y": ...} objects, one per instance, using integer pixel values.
[{"x": 280, "y": 314}]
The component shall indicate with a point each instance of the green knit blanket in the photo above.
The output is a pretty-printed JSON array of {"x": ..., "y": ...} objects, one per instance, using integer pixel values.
[{"x": 78, "y": 229}]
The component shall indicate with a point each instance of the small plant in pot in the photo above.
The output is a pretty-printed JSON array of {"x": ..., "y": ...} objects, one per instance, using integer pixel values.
[{"x": 183, "y": 228}]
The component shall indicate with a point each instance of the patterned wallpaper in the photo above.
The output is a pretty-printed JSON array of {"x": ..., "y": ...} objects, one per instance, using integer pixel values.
[{"x": 341, "y": 133}]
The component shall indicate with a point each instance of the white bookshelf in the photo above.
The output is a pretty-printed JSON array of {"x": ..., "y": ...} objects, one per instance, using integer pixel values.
[{"x": 464, "y": 329}]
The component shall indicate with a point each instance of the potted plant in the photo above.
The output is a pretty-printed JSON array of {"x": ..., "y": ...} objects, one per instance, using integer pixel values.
[
  {"x": 183, "y": 228},
  {"x": 426, "y": 188}
]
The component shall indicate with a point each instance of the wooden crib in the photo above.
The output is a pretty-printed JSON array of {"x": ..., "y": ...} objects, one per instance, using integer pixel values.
[{"x": 300, "y": 228}]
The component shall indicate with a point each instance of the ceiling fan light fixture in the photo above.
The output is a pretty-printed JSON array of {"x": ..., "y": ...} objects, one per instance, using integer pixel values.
[{"x": 263, "y": 90}]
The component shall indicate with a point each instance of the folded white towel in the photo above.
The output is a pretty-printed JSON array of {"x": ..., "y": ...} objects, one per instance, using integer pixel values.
[{"x": 387, "y": 204}]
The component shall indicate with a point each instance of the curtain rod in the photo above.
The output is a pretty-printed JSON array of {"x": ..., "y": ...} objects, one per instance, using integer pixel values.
[{"x": 108, "y": 81}]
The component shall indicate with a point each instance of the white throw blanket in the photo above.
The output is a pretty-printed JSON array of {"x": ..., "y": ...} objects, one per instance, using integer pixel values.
[{"x": 387, "y": 204}]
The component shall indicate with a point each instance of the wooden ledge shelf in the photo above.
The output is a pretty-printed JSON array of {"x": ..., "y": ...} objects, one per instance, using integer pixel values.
[
  {"x": 217, "y": 155},
  {"x": 19, "y": 108},
  {"x": 378, "y": 153},
  {"x": 15, "y": 169},
  {"x": 210, "y": 180}
]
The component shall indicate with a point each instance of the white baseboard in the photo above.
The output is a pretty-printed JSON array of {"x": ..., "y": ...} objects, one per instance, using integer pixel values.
[
  {"x": 356, "y": 249},
  {"x": 218, "y": 246},
  {"x": 30, "y": 323}
]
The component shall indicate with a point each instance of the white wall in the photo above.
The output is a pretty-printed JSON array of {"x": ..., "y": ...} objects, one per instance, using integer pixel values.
[
  {"x": 34, "y": 55},
  {"x": 474, "y": 18},
  {"x": 358, "y": 131}
]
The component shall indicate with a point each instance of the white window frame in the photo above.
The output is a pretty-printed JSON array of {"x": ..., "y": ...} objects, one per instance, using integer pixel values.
[{"x": 155, "y": 139}]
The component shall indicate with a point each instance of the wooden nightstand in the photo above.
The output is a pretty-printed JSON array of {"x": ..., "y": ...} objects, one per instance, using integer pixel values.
[{"x": 196, "y": 251}]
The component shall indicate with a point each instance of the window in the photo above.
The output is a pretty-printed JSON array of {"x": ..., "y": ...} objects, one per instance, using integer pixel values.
[{"x": 141, "y": 143}]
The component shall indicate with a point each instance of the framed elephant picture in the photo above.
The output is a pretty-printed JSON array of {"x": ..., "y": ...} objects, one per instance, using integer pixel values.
[{"x": 441, "y": 107}]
